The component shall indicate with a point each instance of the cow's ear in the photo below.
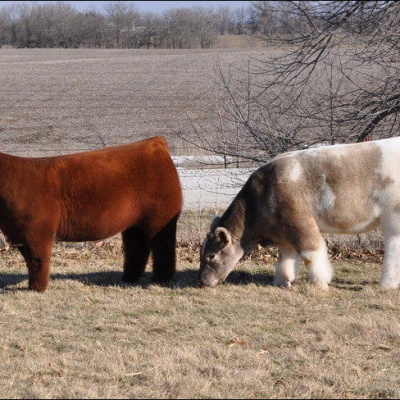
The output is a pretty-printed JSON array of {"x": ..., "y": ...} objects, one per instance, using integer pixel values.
[
  {"x": 223, "y": 235},
  {"x": 215, "y": 223}
]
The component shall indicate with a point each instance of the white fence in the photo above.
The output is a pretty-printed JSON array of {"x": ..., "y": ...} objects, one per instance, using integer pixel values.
[
  {"x": 215, "y": 188},
  {"x": 206, "y": 183}
]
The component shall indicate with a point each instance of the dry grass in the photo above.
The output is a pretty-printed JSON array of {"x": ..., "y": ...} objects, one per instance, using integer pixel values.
[
  {"x": 90, "y": 336},
  {"x": 239, "y": 42}
]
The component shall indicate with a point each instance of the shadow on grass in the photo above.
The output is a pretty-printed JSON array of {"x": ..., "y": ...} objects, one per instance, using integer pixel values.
[
  {"x": 7, "y": 280},
  {"x": 182, "y": 279},
  {"x": 344, "y": 284},
  {"x": 247, "y": 278}
]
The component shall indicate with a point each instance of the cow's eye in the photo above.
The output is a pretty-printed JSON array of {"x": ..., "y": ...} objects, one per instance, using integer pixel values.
[{"x": 211, "y": 256}]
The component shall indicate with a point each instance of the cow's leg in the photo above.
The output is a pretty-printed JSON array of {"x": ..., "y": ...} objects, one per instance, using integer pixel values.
[
  {"x": 304, "y": 235},
  {"x": 164, "y": 252},
  {"x": 287, "y": 267},
  {"x": 136, "y": 254},
  {"x": 390, "y": 277},
  {"x": 318, "y": 264},
  {"x": 37, "y": 255}
]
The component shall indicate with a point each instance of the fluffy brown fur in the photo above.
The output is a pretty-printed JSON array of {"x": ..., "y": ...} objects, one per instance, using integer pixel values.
[{"x": 132, "y": 188}]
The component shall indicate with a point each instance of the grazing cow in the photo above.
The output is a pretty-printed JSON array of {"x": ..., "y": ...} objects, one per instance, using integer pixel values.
[
  {"x": 297, "y": 196},
  {"x": 132, "y": 188}
]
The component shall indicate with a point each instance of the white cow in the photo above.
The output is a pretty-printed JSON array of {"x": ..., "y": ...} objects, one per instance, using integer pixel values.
[{"x": 297, "y": 196}]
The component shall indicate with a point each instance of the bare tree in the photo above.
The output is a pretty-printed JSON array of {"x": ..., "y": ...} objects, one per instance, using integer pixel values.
[
  {"x": 10, "y": 23},
  {"x": 177, "y": 25},
  {"x": 334, "y": 79},
  {"x": 360, "y": 40},
  {"x": 224, "y": 18},
  {"x": 92, "y": 28},
  {"x": 122, "y": 17},
  {"x": 151, "y": 34},
  {"x": 189, "y": 28},
  {"x": 240, "y": 19},
  {"x": 66, "y": 25},
  {"x": 204, "y": 26}
]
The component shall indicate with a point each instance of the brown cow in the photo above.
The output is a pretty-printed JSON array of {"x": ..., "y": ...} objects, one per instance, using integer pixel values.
[{"x": 132, "y": 188}]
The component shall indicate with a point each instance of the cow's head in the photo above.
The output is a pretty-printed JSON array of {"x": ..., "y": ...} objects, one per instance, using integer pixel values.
[{"x": 219, "y": 255}]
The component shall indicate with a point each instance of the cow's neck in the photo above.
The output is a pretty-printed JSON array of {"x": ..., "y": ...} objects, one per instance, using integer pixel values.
[{"x": 235, "y": 219}]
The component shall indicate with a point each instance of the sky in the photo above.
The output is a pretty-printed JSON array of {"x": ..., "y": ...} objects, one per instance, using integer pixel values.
[{"x": 155, "y": 6}]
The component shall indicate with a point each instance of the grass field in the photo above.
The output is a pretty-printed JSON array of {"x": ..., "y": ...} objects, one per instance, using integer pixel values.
[
  {"x": 90, "y": 336},
  {"x": 55, "y": 100}
]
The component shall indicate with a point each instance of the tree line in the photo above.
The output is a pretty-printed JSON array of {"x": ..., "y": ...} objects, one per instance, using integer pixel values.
[
  {"x": 120, "y": 24},
  {"x": 117, "y": 25}
]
